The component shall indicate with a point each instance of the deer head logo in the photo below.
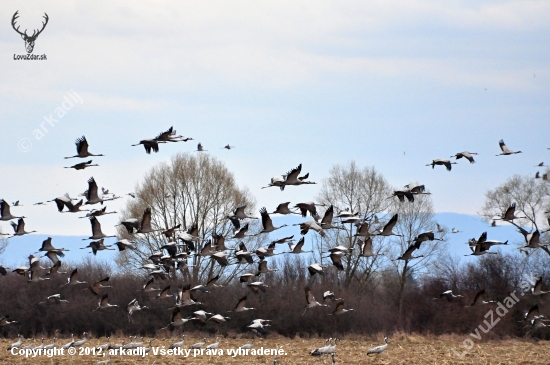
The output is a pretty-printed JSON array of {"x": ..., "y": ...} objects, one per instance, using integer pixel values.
[{"x": 29, "y": 40}]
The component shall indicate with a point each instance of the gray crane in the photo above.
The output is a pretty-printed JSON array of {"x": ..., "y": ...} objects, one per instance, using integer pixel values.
[
  {"x": 505, "y": 150},
  {"x": 311, "y": 302},
  {"x": 388, "y": 228},
  {"x": 479, "y": 299},
  {"x": 98, "y": 246},
  {"x": 5, "y": 212},
  {"x": 537, "y": 288},
  {"x": 4, "y": 321},
  {"x": 198, "y": 345},
  {"x": 73, "y": 279},
  {"x": 97, "y": 213},
  {"x": 133, "y": 307},
  {"x": 218, "y": 318},
  {"x": 378, "y": 349},
  {"x": 177, "y": 345},
  {"x": 241, "y": 305},
  {"x": 267, "y": 224},
  {"x": 95, "y": 288},
  {"x": 310, "y": 207},
  {"x": 339, "y": 309},
  {"x": 326, "y": 222},
  {"x": 447, "y": 163},
  {"x": 509, "y": 215},
  {"x": 214, "y": 345},
  {"x": 92, "y": 195},
  {"x": 82, "y": 165},
  {"x": 97, "y": 234},
  {"x": 284, "y": 209},
  {"x": 366, "y": 248},
  {"x": 47, "y": 246},
  {"x": 54, "y": 299},
  {"x": 145, "y": 225},
  {"x": 17, "y": 344},
  {"x": 448, "y": 294},
  {"x": 104, "y": 303},
  {"x": 297, "y": 248},
  {"x": 19, "y": 228},
  {"x": 467, "y": 155},
  {"x": 306, "y": 226},
  {"x": 82, "y": 149},
  {"x": 240, "y": 213}
]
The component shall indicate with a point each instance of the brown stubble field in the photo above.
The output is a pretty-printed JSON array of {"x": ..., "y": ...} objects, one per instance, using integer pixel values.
[{"x": 403, "y": 349}]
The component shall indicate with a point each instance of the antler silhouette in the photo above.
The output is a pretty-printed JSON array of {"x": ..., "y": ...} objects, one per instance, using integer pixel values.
[
  {"x": 43, "y": 26},
  {"x": 29, "y": 40},
  {"x": 15, "y": 16},
  {"x": 35, "y": 33}
]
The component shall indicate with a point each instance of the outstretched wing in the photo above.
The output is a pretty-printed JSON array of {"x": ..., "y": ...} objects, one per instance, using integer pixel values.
[
  {"x": 81, "y": 146},
  {"x": 266, "y": 220},
  {"x": 165, "y": 135}
]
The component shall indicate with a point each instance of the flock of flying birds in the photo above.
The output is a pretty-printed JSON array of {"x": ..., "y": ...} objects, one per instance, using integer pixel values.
[{"x": 183, "y": 243}]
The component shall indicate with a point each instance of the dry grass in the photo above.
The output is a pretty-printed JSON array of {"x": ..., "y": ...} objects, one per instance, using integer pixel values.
[{"x": 403, "y": 349}]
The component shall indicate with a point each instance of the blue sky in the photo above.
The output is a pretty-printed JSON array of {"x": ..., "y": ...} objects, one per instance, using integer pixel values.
[{"x": 384, "y": 83}]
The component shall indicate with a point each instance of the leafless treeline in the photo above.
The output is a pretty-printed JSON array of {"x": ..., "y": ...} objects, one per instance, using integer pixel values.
[
  {"x": 386, "y": 294},
  {"x": 375, "y": 307}
]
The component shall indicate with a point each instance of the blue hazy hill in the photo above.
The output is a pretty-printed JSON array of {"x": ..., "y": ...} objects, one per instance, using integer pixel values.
[
  {"x": 19, "y": 248},
  {"x": 472, "y": 227},
  {"x": 469, "y": 226}
]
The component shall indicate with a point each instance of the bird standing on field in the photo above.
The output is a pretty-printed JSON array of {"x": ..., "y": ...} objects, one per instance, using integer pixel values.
[{"x": 378, "y": 349}]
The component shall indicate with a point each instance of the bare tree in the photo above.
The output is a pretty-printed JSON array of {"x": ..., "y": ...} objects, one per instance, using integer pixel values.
[
  {"x": 532, "y": 200},
  {"x": 3, "y": 242},
  {"x": 414, "y": 218},
  {"x": 447, "y": 269},
  {"x": 362, "y": 190},
  {"x": 190, "y": 190}
]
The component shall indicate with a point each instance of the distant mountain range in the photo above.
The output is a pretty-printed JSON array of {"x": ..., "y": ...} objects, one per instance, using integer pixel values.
[{"x": 469, "y": 226}]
